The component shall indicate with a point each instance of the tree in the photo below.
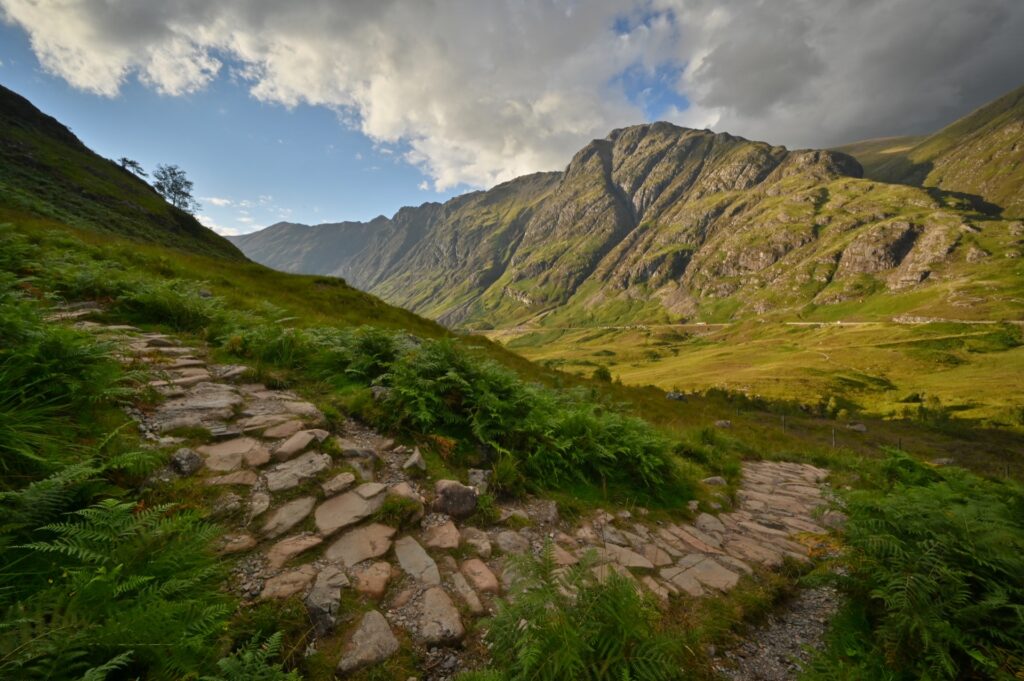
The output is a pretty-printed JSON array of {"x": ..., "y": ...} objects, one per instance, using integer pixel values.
[
  {"x": 131, "y": 166},
  {"x": 172, "y": 184}
]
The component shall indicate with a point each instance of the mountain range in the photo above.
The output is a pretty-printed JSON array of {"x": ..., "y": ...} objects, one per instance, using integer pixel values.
[{"x": 659, "y": 223}]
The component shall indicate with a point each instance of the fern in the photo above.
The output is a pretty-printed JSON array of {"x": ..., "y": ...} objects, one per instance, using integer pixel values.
[{"x": 560, "y": 624}]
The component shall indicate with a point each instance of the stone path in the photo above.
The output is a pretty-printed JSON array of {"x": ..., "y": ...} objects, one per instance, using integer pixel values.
[{"x": 302, "y": 501}]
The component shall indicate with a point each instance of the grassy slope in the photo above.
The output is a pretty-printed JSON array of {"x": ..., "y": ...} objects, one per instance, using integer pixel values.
[
  {"x": 313, "y": 300},
  {"x": 874, "y": 153},
  {"x": 980, "y": 154},
  {"x": 45, "y": 171}
]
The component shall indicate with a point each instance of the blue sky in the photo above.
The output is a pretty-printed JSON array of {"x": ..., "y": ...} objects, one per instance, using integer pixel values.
[
  {"x": 441, "y": 97},
  {"x": 271, "y": 162},
  {"x": 256, "y": 163}
]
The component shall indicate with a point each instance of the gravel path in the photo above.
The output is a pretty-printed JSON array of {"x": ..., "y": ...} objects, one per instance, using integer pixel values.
[{"x": 777, "y": 650}]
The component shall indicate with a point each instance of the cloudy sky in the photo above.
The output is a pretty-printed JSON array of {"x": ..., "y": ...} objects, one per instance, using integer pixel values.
[{"x": 323, "y": 110}]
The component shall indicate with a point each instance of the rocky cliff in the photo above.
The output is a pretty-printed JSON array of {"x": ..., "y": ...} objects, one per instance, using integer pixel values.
[{"x": 652, "y": 223}]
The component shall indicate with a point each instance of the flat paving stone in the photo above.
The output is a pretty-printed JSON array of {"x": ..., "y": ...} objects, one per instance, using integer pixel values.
[
  {"x": 362, "y": 543},
  {"x": 416, "y": 562}
]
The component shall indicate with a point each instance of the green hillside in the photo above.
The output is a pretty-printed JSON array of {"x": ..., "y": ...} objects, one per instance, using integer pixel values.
[
  {"x": 981, "y": 154},
  {"x": 171, "y": 414},
  {"x": 46, "y": 172}
]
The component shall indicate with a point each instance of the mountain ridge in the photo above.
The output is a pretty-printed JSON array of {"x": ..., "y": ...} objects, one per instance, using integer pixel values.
[{"x": 653, "y": 223}]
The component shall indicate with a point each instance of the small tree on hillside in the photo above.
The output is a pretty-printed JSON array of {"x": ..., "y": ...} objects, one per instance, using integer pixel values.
[
  {"x": 131, "y": 166},
  {"x": 173, "y": 185}
]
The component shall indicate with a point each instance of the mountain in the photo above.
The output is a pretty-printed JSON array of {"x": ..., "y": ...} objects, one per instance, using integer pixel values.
[
  {"x": 658, "y": 223},
  {"x": 981, "y": 154},
  {"x": 46, "y": 172}
]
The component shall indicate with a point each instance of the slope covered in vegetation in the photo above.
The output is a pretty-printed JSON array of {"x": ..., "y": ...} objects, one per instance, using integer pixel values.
[{"x": 45, "y": 171}]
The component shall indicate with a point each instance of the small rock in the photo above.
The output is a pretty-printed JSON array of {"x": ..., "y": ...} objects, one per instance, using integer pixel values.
[
  {"x": 415, "y": 561},
  {"x": 372, "y": 580},
  {"x": 288, "y": 583},
  {"x": 466, "y": 593},
  {"x": 286, "y": 549},
  {"x": 945, "y": 461},
  {"x": 858, "y": 427},
  {"x": 444, "y": 536},
  {"x": 676, "y": 396},
  {"x": 478, "y": 478},
  {"x": 288, "y": 516},
  {"x": 325, "y": 597},
  {"x": 480, "y": 576},
  {"x": 258, "y": 503},
  {"x": 706, "y": 522},
  {"x": 372, "y": 642},
  {"x": 363, "y": 543},
  {"x": 380, "y": 393},
  {"x": 339, "y": 483},
  {"x": 454, "y": 499},
  {"x": 415, "y": 460},
  {"x": 723, "y": 423},
  {"x": 286, "y": 429},
  {"x": 511, "y": 542},
  {"x": 236, "y": 543},
  {"x": 186, "y": 461},
  {"x": 478, "y": 540},
  {"x": 715, "y": 481}
]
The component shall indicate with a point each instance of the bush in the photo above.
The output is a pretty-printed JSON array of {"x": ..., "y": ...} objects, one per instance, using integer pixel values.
[
  {"x": 124, "y": 588},
  {"x": 563, "y": 626},
  {"x": 556, "y": 437},
  {"x": 602, "y": 374},
  {"x": 177, "y": 303},
  {"x": 936, "y": 560}
]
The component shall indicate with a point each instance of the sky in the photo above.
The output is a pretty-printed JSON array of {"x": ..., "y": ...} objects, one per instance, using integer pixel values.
[{"x": 327, "y": 110}]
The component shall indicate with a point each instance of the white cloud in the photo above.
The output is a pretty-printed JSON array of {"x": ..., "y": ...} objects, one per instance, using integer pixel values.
[
  {"x": 424, "y": 185},
  {"x": 479, "y": 91},
  {"x": 207, "y": 221},
  {"x": 216, "y": 201},
  {"x": 823, "y": 72}
]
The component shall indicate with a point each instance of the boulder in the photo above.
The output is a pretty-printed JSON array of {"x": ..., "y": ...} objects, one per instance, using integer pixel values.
[
  {"x": 229, "y": 455},
  {"x": 477, "y": 540},
  {"x": 479, "y": 479},
  {"x": 323, "y": 599},
  {"x": 480, "y": 576},
  {"x": 363, "y": 543},
  {"x": 372, "y": 580},
  {"x": 443, "y": 536},
  {"x": 297, "y": 471},
  {"x": 236, "y": 543},
  {"x": 288, "y": 584},
  {"x": 415, "y": 561},
  {"x": 286, "y": 549},
  {"x": 287, "y": 516},
  {"x": 186, "y": 462},
  {"x": 344, "y": 510},
  {"x": 438, "y": 622},
  {"x": 454, "y": 499},
  {"x": 372, "y": 642}
]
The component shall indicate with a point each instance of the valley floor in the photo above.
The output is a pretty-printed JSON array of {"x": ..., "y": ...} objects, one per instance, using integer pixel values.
[{"x": 885, "y": 369}]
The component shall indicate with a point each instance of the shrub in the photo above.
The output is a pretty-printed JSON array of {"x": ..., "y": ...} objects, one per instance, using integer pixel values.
[
  {"x": 124, "y": 587},
  {"x": 177, "y": 303},
  {"x": 562, "y": 626},
  {"x": 602, "y": 374},
  {"x": 936, "y": 559},
  {"x": 555, "y": 436}
]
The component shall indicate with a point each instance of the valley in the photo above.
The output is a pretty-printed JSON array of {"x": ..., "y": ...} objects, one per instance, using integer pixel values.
[{"x": 698, "y": 408}]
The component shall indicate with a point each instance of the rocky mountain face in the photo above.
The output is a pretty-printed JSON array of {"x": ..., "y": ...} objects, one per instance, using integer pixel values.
[{"x": 653, "y": 223}]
